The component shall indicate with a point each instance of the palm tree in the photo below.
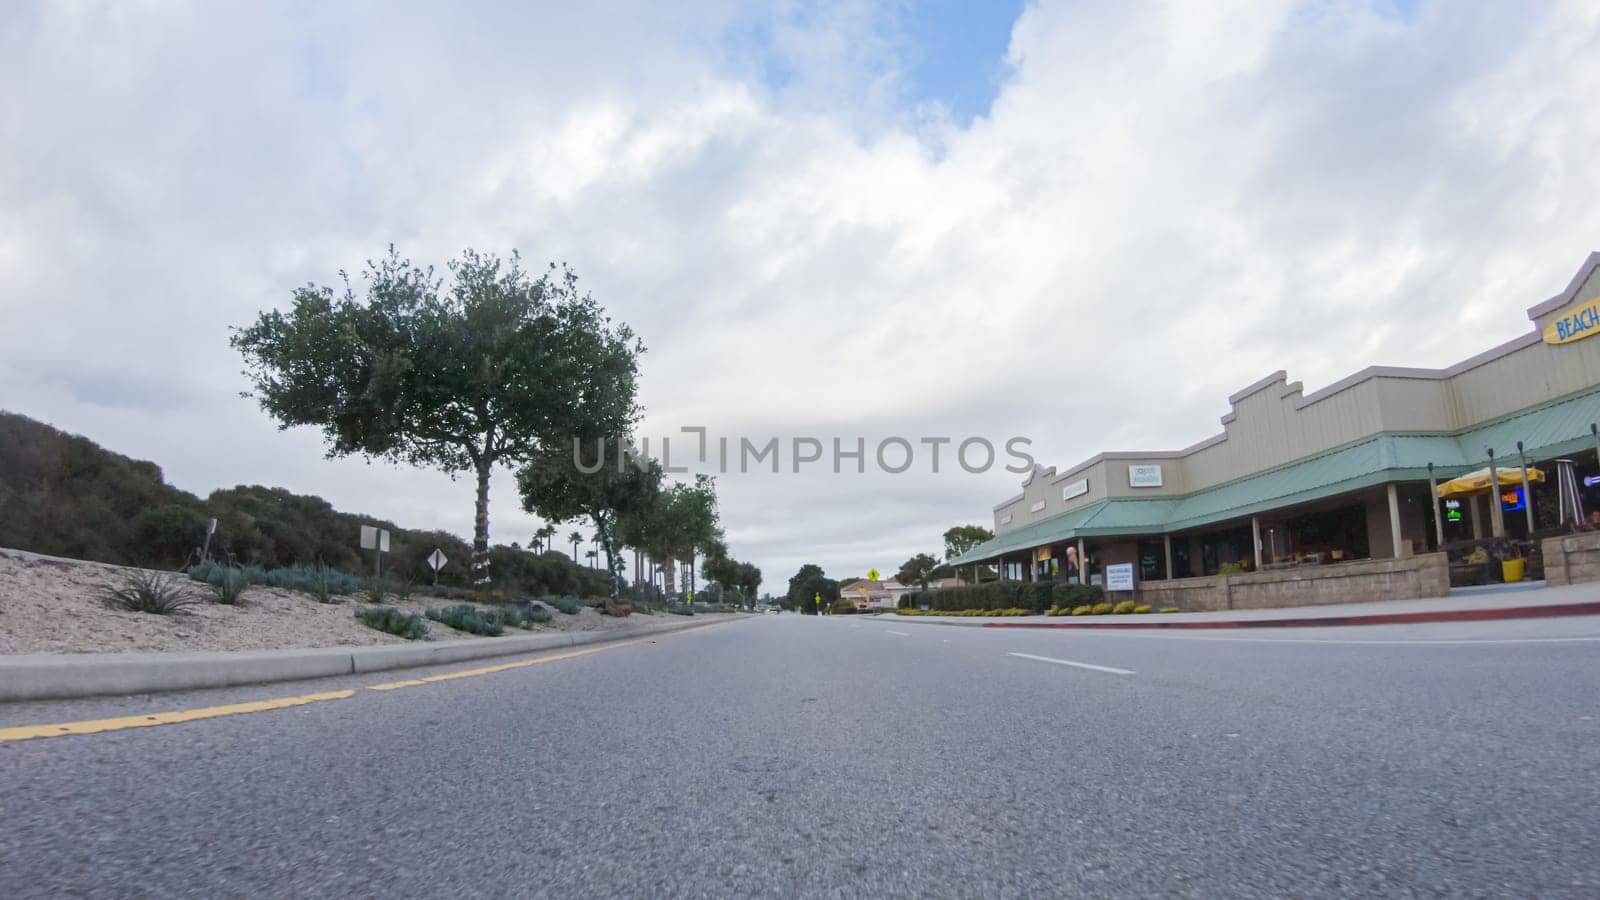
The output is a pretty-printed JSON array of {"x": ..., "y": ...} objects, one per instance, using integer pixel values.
[
  {"x": 593, "y": 555},
  {"x": 576, "y": 538},
  {"x": 549, "y": 534}
]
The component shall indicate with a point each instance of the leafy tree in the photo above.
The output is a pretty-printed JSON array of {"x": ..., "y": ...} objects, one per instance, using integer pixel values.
[
  {"x": 459, "y": 379},
  {"x": 917, "y": 570},
  {"x": 555, "y": 486},
  {"x": 805, "y": 586},
  {"x": 962, "y": 538}
]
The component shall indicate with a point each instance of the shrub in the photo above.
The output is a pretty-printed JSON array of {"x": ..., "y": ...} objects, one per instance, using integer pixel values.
[
  {"x": 376, "y": 589},
  {"x": 677, "y": 609},
  {"x": 1142, "y": 608},
  {"x": 465, "y": 617},
  {"x": 229, "y": 586},
  {"x": 534, "y": 614},
  {"x": 1101, "y": 609},
  {"x": 1124, "y": 607},
  {"x": 1083, "y": 610},
  {"x": 1169, "y": 609},
  {"x": 148, "y": 592},
  {"x": 403, "y": 589},
  {"x": 320, "y": 581},
  {"x": 569, "y": 605},
  {"x": 392, "y": 621},
  {"x": 322, "y": 585}
]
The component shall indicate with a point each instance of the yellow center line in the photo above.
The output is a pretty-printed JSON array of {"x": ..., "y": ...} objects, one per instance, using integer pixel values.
[
  {"x": 94, "y": 726},
  {"x": 490, "y": 670}
]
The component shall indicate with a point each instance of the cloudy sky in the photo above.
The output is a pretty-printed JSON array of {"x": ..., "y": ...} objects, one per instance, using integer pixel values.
[{"x": 1083, "y": 223}]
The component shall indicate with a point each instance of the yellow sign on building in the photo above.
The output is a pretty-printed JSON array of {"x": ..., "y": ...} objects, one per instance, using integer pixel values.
[{"x": 1576, "y": 322}]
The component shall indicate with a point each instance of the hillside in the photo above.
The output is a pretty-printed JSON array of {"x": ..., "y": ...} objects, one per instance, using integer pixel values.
[{"x": 63, "y": 495}]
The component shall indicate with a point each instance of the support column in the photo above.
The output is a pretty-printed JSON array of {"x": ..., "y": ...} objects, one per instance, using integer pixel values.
[
  {"x": 1255, "y": 538},
  {"x": 1527, "y": 489},
  {"x": 1166, "y": 543},
  {"x": 1477, "y": 517},
  {"x": 1497, "y": 517},
  {"x": 1433, "y": 503},
  {"x": 1083, "y": 563},
  {"x": 1000, "y": 566},
  {"x": 1393, "y": 492}
]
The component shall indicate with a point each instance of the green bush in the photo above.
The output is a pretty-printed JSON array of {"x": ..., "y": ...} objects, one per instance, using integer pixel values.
[
  {"x": 1083, "y": 610},
  {"x": 466, "y": 617},
  {"x": 1101, "y": 609},
  {"x": 680, "y": 609},
  {"x": 377, "y": 589},
  {"x": 324, "y": 584},
  {"x": 320, "y": 581},
  {"x": 148, "y": 592},
  {"x": 392, "y": 621},
  {"x": 1142, "y": 608},
  {"x": 569, "y": 605},
  {"x": 1123, "y": 608},
  {"x": 229, "y": 586}
]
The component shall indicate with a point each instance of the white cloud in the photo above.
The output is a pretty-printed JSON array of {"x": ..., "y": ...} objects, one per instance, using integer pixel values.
[{"x": 1164, "y": 203}]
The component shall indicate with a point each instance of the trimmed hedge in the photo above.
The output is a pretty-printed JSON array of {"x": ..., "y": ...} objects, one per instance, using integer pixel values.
[{"x": 1036, "y": 597}]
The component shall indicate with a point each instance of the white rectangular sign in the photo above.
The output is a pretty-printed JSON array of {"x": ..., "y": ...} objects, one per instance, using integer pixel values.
[
  {"x": 1005, "y": 519},
  {"x": 1119, "y": 577},
  {"x": 1038, "y": 506},
  {"x": 1075, "y": 489},
  {"x": 1144, "y": 476},
  {"x": 374, "y": 538}
]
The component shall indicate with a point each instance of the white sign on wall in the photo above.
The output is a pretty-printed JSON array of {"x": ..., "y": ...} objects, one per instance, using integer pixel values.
[
  {"x": 1005, "y": 519},
  {"x": 1144, "y": 476},
  {"x": 1038, "y": 506},
  {"x": 1075, "y": 489},
  {"x": 1119, "y": 577}
]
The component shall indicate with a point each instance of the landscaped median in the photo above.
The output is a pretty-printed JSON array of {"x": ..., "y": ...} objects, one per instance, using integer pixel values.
[{"x": 51, "y": 676}]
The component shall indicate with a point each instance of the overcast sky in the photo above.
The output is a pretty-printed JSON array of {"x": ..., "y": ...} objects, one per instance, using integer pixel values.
[{"x": 1083, "y": 223}]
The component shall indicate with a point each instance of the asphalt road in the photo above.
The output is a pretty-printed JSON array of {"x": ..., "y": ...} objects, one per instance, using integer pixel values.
[{"x": 786, "y": 756}]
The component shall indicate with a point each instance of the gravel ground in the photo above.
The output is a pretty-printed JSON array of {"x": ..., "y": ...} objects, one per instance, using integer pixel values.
[{"x": 52, "y": 605}]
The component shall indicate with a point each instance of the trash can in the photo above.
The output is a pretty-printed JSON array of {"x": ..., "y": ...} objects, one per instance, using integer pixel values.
[{"x": 1511, "y": 570}]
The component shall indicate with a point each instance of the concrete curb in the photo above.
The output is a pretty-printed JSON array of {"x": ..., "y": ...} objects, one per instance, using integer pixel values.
[
  {"x": 47, "y": 676},
  {"x": 1406, "y": 618}
]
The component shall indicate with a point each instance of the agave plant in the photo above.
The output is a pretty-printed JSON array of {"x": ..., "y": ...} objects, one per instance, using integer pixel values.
[
  {"x": 227, "y": 585},
  {"x": 148, "y": 592}
]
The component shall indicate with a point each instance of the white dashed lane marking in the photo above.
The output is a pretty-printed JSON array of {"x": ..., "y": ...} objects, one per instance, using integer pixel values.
[{"x": 1075, "y": 665}]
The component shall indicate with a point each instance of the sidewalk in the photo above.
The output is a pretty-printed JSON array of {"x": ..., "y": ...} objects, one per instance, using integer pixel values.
[
  {"x": 67, "y": 676},
  {"x": 1524, "y": 601}
]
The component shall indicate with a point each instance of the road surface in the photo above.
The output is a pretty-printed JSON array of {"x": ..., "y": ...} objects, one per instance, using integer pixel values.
[{"x": 850, "y": 756}]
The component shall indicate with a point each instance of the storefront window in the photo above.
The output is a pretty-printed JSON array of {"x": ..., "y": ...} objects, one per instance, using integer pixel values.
[{"x": 1152, "y": 560}]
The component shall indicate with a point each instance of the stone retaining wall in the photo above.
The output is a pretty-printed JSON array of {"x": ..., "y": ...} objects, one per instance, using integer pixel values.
[
  {"x": 1360, "y": 581},
  {"x": 1572, "y": 558}
]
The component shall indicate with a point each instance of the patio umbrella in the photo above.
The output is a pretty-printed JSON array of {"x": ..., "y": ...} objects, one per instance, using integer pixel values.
[{"x": 1478, "y": 482}]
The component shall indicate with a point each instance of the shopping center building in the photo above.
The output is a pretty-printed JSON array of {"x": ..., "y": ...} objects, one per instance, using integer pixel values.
[{"x": 1321, "y": 497}]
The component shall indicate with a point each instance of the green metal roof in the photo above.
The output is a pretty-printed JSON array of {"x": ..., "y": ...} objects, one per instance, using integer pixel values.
[{"x": 1552, "y": 429}]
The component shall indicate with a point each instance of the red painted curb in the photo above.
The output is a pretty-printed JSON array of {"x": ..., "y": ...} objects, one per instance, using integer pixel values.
[{"x": 1441, "y": 615}]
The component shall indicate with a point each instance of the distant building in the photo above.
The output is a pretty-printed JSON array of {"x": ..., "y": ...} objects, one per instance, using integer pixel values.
[{"x": 885, "y": 594}]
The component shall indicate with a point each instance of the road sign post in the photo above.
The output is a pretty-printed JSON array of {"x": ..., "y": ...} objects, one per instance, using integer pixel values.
[
  {"x": 377, "y": 540},
  {"x": 436, "y": 559}
]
